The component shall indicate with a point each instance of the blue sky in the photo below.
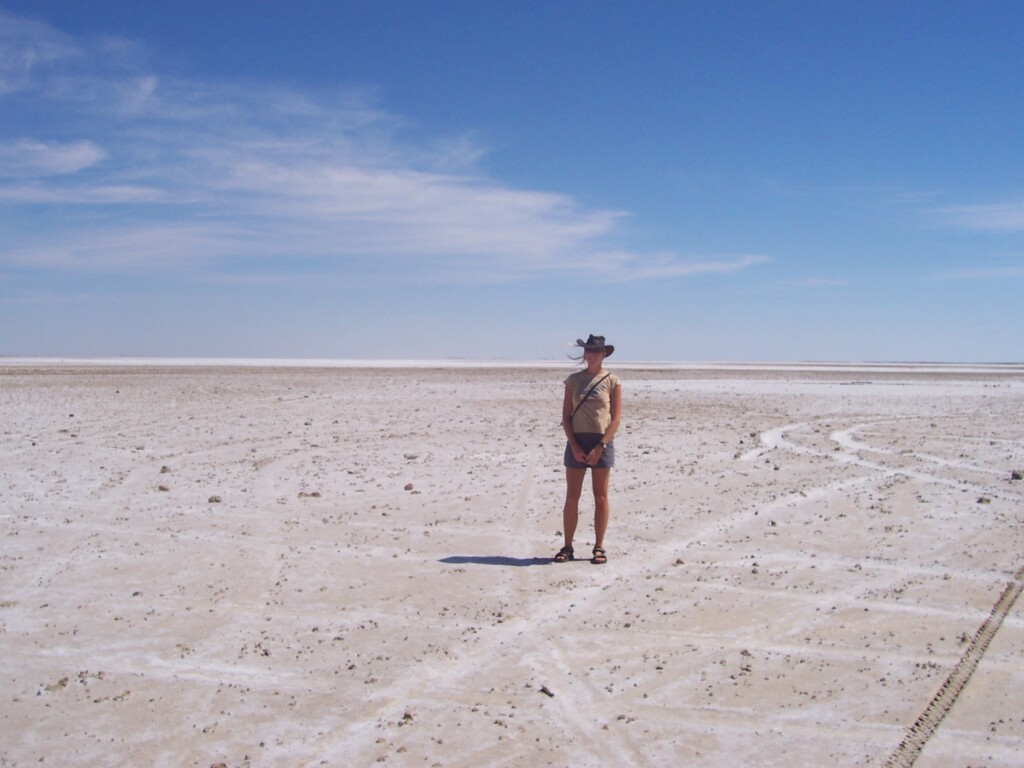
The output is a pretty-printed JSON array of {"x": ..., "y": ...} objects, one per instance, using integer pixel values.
[{"x": 365, "y": 179}]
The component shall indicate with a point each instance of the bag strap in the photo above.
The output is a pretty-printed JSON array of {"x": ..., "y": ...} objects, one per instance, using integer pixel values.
[{"x": 586, "y": 396}]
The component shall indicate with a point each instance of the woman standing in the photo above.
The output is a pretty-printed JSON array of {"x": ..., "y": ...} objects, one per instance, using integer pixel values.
[{"x": 591, "y": 411}]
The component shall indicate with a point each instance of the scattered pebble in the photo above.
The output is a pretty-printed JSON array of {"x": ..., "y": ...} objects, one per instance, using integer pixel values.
[{"x": 494, "y": 611}]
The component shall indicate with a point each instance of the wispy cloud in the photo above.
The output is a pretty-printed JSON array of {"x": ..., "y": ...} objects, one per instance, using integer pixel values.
[
  {"x": 624, "y": 266},
  {"x": 28, "y": 49},
  {"x": 28, "y": 158},
  {"x": 1000, "y": 218},
  {"x": 178, "y": 174},
  {"x": 816, "y": 282},
  {"x": 77, "y": 194},
  {"x": 981, "y": 273},
  {"x": 1005, "y": 217}
]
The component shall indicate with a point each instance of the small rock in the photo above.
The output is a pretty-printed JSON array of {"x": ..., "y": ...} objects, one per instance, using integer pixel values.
[
  {"x": 547, "y": 692},
  {"x": 164, "y": 469},
  {"x": 1017, "y": 475},
  {"x": 59, "y": 685},
  {"x": 162, "y": 488},
  {"x": 408, "y": 486},
  {"x": 984, "y": 500},
  {"x": 215, "y": 499}
]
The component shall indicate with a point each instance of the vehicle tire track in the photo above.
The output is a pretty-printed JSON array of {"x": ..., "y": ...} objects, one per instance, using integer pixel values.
[{"x": 909, "y": 749}]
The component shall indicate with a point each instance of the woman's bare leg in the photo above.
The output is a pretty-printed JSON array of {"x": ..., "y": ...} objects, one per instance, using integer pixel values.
[
  {"x": 571, "y": 510},
  {"x": 599, "y": 479}
]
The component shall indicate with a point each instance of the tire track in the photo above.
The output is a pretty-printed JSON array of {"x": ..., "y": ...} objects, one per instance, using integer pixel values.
[{"x": 909, "y": 749}]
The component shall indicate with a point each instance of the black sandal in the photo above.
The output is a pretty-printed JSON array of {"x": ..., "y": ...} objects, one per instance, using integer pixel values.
[
  {"x": 600, "y": 557},
  {"x": 564, "y": 555}
]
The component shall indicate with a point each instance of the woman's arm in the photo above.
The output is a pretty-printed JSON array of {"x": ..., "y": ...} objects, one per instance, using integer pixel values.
[
  {"x": 615, "y": 403},
  {"x": 616, "y": 412},
  {"x": 567, "y": 415},
  {"x": 567, "y": 409}
]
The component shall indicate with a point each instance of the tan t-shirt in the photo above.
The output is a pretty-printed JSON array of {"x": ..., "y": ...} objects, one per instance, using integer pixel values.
[{"x": 596, "y": 413}]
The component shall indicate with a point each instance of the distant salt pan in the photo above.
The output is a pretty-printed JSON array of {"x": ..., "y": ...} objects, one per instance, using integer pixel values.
[{"x": 227, "y": 362}]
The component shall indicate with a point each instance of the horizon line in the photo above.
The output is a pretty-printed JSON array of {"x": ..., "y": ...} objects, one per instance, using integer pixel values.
[{"x": 470, "y": 362}]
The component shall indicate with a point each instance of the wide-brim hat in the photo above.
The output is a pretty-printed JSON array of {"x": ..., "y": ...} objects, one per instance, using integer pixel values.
[{"x": 596, "y": 342}]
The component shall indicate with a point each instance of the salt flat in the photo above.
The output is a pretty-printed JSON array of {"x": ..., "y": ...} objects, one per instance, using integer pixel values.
[{"x": 343, "y": 566}]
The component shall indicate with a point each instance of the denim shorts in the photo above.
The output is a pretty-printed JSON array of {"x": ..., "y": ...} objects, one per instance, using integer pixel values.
[{"x": 587, "y": 441}]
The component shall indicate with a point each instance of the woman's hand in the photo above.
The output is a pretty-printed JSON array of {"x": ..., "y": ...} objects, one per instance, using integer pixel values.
[
  {"x": 578, "y": 454},
  {"x": 594, "y": 456}
]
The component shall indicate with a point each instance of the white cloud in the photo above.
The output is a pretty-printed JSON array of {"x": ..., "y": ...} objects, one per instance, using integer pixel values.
[
  {"x": 84, "y": 194},
  {"x": 981, "y": 273},
  {"x": 26, "y": 48},
  {"x": 129, "y": 249},
  {"x": 816, "y": 282},
  {"x": 997, "y": 217},
  {"x": 630, "y": 266},
  {"x": 189, "y": 173},
  {"x": 28, "y": 157}
]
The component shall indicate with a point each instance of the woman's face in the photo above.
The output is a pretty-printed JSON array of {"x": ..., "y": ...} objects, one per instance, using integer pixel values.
[{"x": 593, "y": 355}]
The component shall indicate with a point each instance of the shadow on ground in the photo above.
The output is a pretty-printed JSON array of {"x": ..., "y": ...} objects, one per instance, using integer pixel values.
[{"x": 511, "y": 562}]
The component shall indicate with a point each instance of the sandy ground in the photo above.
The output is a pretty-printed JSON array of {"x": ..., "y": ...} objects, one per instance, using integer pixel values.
[{"x": 213, "y": 565}]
